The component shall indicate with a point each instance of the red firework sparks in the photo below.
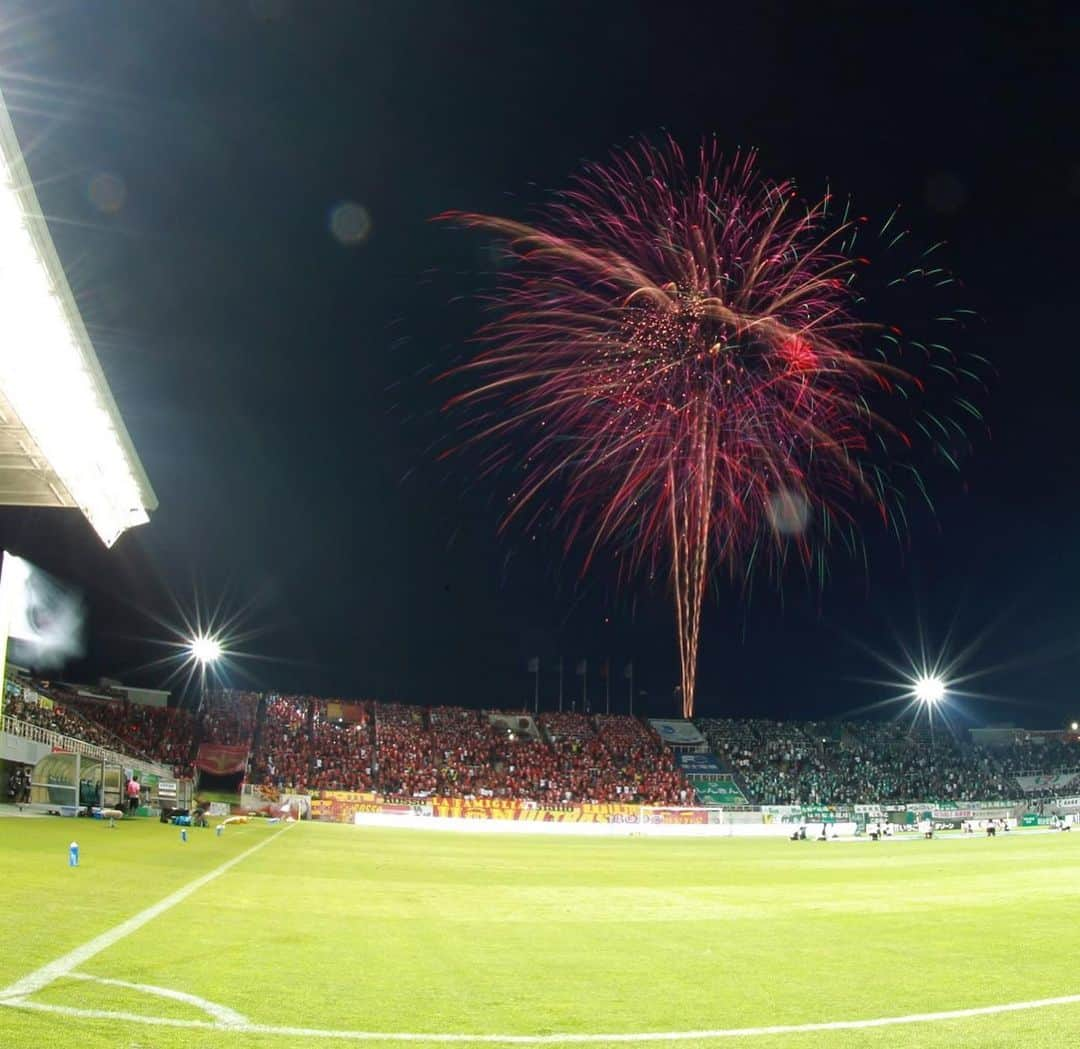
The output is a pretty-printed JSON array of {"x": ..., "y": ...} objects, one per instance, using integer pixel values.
[{"x": 684, "y": 352}]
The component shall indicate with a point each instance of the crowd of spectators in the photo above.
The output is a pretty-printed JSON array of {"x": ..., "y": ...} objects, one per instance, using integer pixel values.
[
  {"x": 159, "y": 734},
  {"x": 300, "y": 745},
  {"x": 163, "y": 733},
  {"x": 782, "y": 763},
  {"x": 643, "y": 767},
  {"x": 1027, "y": 757},
  {"x": 228, "y": 717},
  {"x": 283, "y": 755},
  {"x": 567, "y": 728},
  {"x": 557, "y": 758},
  {"x": 404, "y": 748},
  {"x": 344, "y": 752},
  {"x": 887, "y": 761},
  {"x": 63, "y": 717},
  {"x": 776, "y": 762}
]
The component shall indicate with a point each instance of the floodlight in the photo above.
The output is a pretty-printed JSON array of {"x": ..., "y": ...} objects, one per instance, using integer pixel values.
[
  {"x": 55, "y": 394},
  {"x": 1075, "y": 726},
  {"x": 205, "y": 650},
  {"x": 929, "y": 689}
]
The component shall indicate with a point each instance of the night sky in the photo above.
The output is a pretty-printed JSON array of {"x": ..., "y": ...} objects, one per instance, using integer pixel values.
[{"x": 277, "y": 382}]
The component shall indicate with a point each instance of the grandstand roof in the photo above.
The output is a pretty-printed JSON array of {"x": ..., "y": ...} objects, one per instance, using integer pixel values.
[{"x": 62, "y": 440}]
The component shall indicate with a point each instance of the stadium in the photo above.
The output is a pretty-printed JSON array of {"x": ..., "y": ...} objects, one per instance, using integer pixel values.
[{"x": 219, "y": 849}]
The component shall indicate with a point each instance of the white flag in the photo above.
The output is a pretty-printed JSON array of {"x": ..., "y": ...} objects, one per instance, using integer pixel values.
[{"x": 45, "y": 617}]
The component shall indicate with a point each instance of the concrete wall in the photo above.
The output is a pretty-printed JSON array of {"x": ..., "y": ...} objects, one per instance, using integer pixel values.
[{"x": 24, "y": 751}]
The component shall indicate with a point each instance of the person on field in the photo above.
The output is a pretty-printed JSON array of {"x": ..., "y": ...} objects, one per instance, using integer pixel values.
[{"x": 134, "y": 790}]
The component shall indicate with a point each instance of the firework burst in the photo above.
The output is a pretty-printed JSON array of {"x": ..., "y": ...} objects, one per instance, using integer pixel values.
[{"x": 686, "y": 352}]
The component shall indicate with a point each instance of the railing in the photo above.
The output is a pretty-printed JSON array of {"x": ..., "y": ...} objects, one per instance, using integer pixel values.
[
  {"x": 59, "y": 741},
  {"x": 1074, "y": 771}
]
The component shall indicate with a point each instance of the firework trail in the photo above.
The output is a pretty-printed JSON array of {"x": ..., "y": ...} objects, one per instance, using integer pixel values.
[{"x": 686, "y": 354}]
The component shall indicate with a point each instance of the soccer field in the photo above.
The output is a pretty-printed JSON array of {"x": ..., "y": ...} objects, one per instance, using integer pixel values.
[{"x": 317, "y": 933}]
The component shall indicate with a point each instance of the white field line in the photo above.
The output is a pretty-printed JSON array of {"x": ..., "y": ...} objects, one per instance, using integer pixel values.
[
  {"x": 44, "y": 976},
  {"x": 221, "y": 1013},
  {"x": 545, "y": 1039}
]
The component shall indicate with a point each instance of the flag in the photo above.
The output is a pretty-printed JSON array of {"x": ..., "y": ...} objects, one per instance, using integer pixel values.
[
  {"x": 533, "y": 665},
  {"x": 582, "y": 667},
  {"x": 628, "y": 671},
  {"x": 44, "y": 618},
  {"x": 221, "y": 760},
  {"x": 605, "y": 669}
]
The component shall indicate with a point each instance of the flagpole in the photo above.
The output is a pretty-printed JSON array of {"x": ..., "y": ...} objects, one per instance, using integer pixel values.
[
  {"x": 585, "y": 686},
  {"x": 536, "y": 697},
  {"x": 631, "y": 689},
  {"x": 560, "y": 684},
  {"x": 607, "y": 686}
]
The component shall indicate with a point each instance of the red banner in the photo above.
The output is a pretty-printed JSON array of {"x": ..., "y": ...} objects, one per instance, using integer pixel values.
[{"x": 220, "y": 760}]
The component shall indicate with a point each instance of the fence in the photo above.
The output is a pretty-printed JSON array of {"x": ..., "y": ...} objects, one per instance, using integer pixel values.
[{"x": 57, "y": 741}]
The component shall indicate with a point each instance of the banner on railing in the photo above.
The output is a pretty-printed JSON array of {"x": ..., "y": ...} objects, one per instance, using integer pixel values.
[
  {"x": 508, "y": 809},
  {"x": 720, "y": 791},
  {"x": 676, "y": 817},
  {"x": 341, "y": 806},
  {"x": 1052, "y": 781},
  {"x": 677, "y": 731},
  {"x": 221, "y": 760},
  {"x": 338, "y": 710},
  {"x": 699, "y": 764}
]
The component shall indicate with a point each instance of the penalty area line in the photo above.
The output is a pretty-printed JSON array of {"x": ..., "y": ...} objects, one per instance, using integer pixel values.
[
  {"x": 545, "y": 1039},
  {"x": 47, "y": 974}
]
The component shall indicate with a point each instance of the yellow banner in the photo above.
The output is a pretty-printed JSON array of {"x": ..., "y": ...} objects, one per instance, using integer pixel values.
[{"x": 341, "y": 806}]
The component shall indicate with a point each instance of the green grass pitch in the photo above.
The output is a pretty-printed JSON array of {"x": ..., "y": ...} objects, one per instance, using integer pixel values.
[{"x": 348, "y": 929}]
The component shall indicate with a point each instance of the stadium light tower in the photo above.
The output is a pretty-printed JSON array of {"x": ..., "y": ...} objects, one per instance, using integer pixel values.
[
  {"x": 929, "y": 689},
  {"x": 62, "y": 440}
]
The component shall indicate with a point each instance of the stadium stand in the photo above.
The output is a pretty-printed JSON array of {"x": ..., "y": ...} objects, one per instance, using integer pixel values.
[
  {"x": 158, "y": 734},
  {"x": 163, "y": 733},
  {"x": 780, "y": 763},
  {"x": 308, "y": 744},
  {"x": 404, "y": 747},
  {"x": 301, "y": 745},
  {"x": 59, "y": 716},
  {"x": 228, "y": 717},
  {"x": 403, "y": 751}
]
